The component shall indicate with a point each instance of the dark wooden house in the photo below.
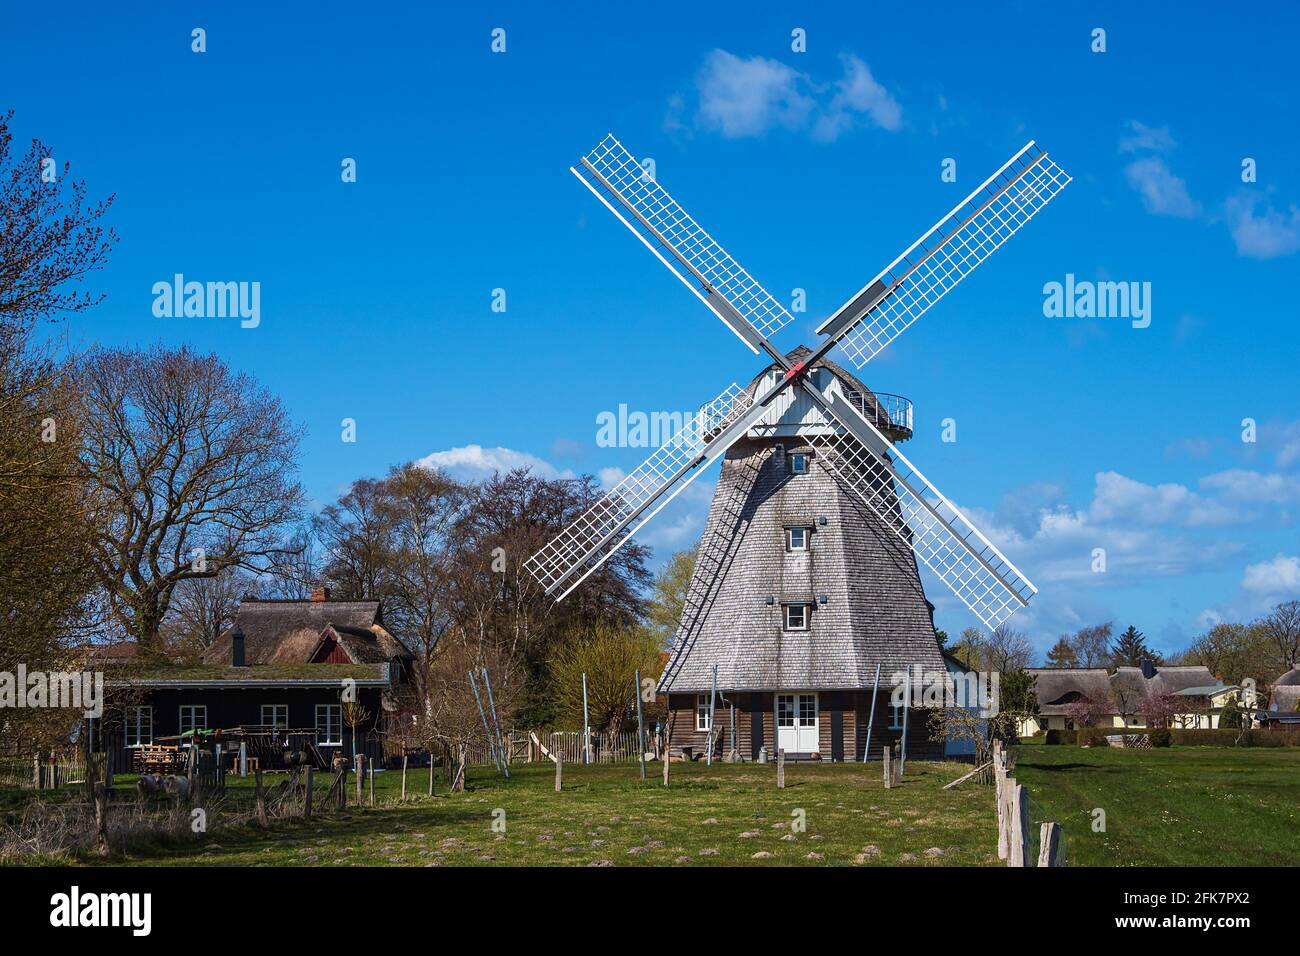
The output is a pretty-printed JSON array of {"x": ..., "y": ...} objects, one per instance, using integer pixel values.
[
  {"x": 284, "y": 673},
  {"x": 799, "y": 592}
]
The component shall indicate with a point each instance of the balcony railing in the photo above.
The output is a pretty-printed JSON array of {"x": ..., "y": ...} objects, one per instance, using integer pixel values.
[{"x": 892, "y": 414}]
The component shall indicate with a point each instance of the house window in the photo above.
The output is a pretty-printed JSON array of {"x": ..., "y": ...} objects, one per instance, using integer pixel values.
[
  {"x": 796, "y": 617},
  {"x": 193, "y": 717},
  {"x": 896, "y": 716},
  {"x": 796, "y": 539},
  {"x": 703, "y": 716},
  {"x": 799, "y": 463},
  {"x": 139, "y": 726},
  {"x": 275, "y": 716},
  {"x": 329, "y": 724}
]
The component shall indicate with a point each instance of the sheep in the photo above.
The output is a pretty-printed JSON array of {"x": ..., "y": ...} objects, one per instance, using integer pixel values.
[
  {"x": 149, "y": 785},
  {"x": 177, "y": 787}
]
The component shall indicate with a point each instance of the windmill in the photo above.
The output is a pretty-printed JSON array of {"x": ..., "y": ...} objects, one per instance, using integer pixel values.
[{"x": 851, "y": 428}]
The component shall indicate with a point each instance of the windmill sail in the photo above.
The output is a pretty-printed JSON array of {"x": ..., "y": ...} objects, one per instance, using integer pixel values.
[
  {"x": 945, "y": 541},
  {"x": 945, "y": 255},
  {"x": 582, "y": 547},
  {"x": 659, "y": 221}
]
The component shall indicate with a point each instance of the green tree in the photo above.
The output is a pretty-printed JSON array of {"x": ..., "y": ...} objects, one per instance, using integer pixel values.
[
  {"x": 1131, "y": 649},
  {"x": 669, "y": 597},
  {"x": 610, "y": 656},
  {"x": 1017, "y": 702},
  {"x": 942, "y": 637},
  {"x": 969, "y": 648},
  {"x": 1230, "y": 716},
  {"x": 1062, "y": 654}
]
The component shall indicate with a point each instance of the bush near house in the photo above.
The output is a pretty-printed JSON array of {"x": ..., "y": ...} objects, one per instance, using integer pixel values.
[
  {"x": 1221, "y": 737},
  {"x": 1062, "y": 737},
  {"x": 1160, "y": 737}
]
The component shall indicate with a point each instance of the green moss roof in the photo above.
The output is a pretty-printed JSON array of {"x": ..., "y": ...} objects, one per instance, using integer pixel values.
[{"x": 174, "y": 673}]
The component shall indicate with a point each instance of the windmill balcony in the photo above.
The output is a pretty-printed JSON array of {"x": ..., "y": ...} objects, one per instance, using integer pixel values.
[{"x": 892, "y": 414}]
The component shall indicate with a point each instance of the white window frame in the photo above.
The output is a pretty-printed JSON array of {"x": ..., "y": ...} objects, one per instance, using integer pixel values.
[
  {"x": 192, "y": 720},
  {"x": 803, "y": 538},
  {"x": 785, "y": 616},
  {"x": 703, "y": 715},
  {"x": 799, "y": 463},
  {"x": 135, "y": 726},
  {"x": 896, "y": 716},
  {"x": 333, "y": 716},
  {"x": 273, "y": 722}
]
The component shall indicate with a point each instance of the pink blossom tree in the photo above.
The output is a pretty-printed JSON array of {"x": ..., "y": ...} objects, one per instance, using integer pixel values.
[{"x": 1086, "y": 711}]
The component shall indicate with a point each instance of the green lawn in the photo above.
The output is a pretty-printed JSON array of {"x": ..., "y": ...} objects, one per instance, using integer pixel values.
[
  {"x": 1179, "y": 806},
  {"x": 727, "y": 814}
]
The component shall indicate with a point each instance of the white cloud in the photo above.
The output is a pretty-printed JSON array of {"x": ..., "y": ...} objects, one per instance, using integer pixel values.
[
  {"x": 1121, "y": 499},
  {"x": 740, "y": 97},
  {"x": 474, "y": 462},
  {"x": 1266, "y": 235},
  {"x": 1278, "y": 577},
  {"x": 1140, "y": 137},
  {"x": 1162, "y": 192},
  {"x": 1241, "y": 484},
  {"x": 858, "y": 93}
]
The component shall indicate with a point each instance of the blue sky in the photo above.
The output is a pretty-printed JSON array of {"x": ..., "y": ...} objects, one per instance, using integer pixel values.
[{"x": 814, "y": 169}]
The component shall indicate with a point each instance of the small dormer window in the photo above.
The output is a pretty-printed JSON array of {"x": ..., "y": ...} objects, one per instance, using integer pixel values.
[
  {"x": 796, "y": 539},
  {"x": 798, "y": 464},
  {"x": 796, "y": 617}
]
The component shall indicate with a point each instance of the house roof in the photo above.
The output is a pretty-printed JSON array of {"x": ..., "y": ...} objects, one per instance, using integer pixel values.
[
  {"x": 286, "y": 632},
  {"x": 1290, "y": 679},
  {"x": 1284, "y": 698},
  {"x": 1059, "y": 686},
  {"x": 263, "y": 675}
]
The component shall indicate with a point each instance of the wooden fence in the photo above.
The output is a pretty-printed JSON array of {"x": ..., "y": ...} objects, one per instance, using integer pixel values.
[
  {"x": 567, "y": 745},
  {"x": 43, "y": 771},
  {"x": 1018, "y": 843}
]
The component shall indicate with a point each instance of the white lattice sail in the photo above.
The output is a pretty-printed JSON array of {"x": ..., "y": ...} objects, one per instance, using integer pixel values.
[
  {"x": 945, "y": 541},
  {"x": 950, "y": 251},
  {"x": 659, "y": 221},
  {"x": 618, "y": 514}
]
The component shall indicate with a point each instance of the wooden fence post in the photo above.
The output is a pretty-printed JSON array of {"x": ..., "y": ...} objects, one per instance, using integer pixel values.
[
  {"x": 1019, "y": 800},
  {"x": 260, "y": 794},
  {"x": 36, "y": 771},
  {"x": 559, "y": 771},
  {"x": 404, "y": 759},
  {"x": 370, "y": 778},
  {"x": 666, "y": 761},
  {"x": 1049, "y": 840},
  {"x": 306, "y": 804},
  {"x": 1000, "y": 783},
  {"x": 780, "y": 769},
  {"x": 431, "y": 769},
  {"x": 889, "y": 773},
  {"x": 101, "y": 816}
]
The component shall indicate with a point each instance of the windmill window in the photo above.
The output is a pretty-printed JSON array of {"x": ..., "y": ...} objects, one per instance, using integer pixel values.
[
  {"x": 799, "y": 464},
  {"x": 796, "y": 617},
  {"x": 703, "y": 716},
  {"x": 796, "y": 539}
]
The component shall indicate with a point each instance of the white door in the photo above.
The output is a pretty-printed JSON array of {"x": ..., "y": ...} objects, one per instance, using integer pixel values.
[{"x": 796, "y": 723}]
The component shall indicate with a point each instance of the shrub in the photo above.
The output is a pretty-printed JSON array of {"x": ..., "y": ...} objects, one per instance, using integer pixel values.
[
  {"x": 1227, "y": 737},
  {"x": 1053, "y": 737},
  {"x": 1092, "y": 737},
  {"x": 1160, "y": 737}
]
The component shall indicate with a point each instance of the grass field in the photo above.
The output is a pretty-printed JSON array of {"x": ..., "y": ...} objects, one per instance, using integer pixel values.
[
  {"x": 729, "y": 814},
  {"x": 1179, "y": 806}
]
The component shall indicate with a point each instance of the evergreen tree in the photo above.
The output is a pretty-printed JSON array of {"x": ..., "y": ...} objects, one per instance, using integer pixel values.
[
  {"x": 1131, "y": 649},
  {"x": 1062, "y": 654}
]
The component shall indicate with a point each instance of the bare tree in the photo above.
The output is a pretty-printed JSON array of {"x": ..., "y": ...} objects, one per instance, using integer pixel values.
[
  {"x": 50, "y": 236},
  {"x": 202, "y": 608},
  {"x": 353, "y": 534},
  {"x": 190, "y": 466},
  {"x": 1006, "y": 649},
  {"x": 1092, "y": 645},
  {"x": 1281, "y": 627}
]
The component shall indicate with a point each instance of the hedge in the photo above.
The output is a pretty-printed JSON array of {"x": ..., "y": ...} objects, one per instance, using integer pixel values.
[
  {"x": 1227, "y": 737},
  {"x": 1062, "y": 737}
]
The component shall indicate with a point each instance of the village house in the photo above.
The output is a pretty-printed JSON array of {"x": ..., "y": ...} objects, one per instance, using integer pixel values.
[
  {"x": 1122, "y": 692},
  {"x": 290, "y": 675}
]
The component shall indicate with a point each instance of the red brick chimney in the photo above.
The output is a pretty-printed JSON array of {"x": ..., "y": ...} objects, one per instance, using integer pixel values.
[{"x": 320, "y": 593}]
